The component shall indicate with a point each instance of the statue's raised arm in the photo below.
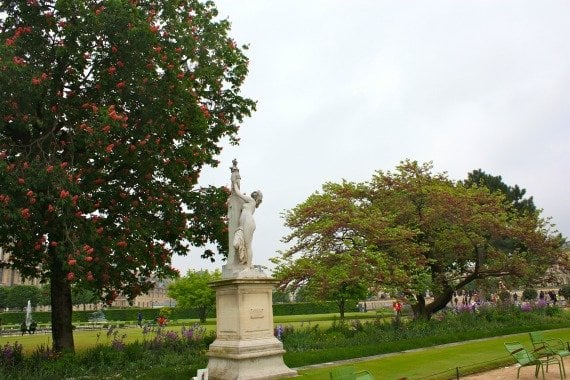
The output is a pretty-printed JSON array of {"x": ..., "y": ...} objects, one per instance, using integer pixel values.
[{"x": 241, "y": 222}]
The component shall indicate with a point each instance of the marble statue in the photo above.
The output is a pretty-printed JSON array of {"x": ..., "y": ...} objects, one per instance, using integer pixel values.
[{"x": 246, "y": 224}]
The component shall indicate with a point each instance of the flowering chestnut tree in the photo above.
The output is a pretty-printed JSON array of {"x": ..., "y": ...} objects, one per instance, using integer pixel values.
[{"x": 109, "y": 109}]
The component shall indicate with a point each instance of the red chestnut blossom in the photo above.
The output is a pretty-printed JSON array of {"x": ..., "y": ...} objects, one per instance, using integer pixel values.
[{"x": 101, "y": 139}]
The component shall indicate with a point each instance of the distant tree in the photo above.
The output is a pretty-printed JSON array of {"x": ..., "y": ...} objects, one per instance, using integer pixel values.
[
  {"x": 281, "y": 297},
  {"x": 45, "y": 296},
  {"x": 529, "y": 294},
  {"x": 19, "y": 295},
  {"x": 3, "y": 297},
  {"x": 109, "y": 110},
  {"x": 337, "y": 278},
  {"x": 513, "y": 194},
  {"x": 414, "y": 231},
  {"x": 80, "y": 296},
  {"x": 514, "y": 197},
  {"x": 329, "y": 259},
  {"x": 565, "y": 292},
  {"x": 194, "y": 291}
]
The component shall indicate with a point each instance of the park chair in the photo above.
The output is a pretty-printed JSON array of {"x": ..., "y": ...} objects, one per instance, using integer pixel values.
[
  {"x": 348, "y": 373},
  {"x": 527, "y": 359},
  {"x": 549, "y": 347}
]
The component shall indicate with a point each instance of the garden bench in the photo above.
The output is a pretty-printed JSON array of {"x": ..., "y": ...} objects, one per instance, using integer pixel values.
[{"x": 348, "y": 373}]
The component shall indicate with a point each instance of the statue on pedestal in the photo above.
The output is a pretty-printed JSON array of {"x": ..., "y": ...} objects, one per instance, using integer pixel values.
[
  {"x": 241, "y": 224},
  {"x": 245, "y": 345}
]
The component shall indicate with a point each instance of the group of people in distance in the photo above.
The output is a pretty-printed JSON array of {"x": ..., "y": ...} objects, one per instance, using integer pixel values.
[{"x": 30, "y": 330}]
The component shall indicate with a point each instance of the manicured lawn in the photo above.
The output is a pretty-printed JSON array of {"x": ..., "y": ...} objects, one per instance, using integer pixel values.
[
  {"x": 468, "y": 357},
  {"x": 438, "y": 362},
  {"x": 85, "y": 339}
]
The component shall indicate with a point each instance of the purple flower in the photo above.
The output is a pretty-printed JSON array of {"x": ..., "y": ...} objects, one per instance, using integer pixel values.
[{"x": 526, "y": 306}]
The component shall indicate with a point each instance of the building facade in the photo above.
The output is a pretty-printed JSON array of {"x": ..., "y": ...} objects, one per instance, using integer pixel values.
[{"x": 156, "y": 298}]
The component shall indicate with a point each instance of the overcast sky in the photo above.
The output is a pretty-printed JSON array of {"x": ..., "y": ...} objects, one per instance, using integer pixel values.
[{"x": 345, "y": 88}]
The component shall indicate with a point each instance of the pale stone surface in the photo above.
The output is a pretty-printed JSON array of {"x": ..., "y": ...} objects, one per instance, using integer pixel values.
[
  {"x": 245, "y": 346},
  {"x": 241, "y": 226}
]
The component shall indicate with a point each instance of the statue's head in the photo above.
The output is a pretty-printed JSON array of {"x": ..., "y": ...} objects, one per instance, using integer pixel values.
[{"x": 258, "y": 196}]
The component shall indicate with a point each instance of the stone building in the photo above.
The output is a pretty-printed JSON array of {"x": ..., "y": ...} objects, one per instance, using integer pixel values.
[{"x": 10, "y": 276}]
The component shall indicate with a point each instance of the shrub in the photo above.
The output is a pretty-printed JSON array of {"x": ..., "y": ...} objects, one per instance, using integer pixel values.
[
  {"x": 565, "y": 292},
  {"x": 505, "y": 296},
  {"x": 182, "y": 352},
  {"x": 11, "y": 355},
  {"x": 529, "y": 294}
]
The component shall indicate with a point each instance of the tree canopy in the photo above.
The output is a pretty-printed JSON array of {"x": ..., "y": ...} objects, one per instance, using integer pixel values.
[
  {"x": 414, "y": 231},
  {"x": 108, "y": 112},
  {"x": 513, "y": 194},
  {"x": 194, "y": 291}
]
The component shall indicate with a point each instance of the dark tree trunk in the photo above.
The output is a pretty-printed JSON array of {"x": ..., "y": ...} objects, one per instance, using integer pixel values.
[
  {"x": 202, "y": 312},
  {"x": 61, "y": 307},
  {"x": 341, "y": 306},
  {"x": 419, "y": 309},
  {"x": 440, "y": 301},
  {"x": 423, "y": 311}
]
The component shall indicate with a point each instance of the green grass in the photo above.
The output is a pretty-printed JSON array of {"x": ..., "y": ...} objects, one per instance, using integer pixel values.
[
  {"x": 440, "y": 362},
  {"x": 85, "y": 339},
  {"x": 433, "y": 362}
]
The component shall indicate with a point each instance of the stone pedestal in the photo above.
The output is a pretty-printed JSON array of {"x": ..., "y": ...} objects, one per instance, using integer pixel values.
[{"x": 245, "y": 347}]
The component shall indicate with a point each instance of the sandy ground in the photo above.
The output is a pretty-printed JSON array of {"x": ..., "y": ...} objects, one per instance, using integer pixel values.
[{"x": 510, "y": 373}]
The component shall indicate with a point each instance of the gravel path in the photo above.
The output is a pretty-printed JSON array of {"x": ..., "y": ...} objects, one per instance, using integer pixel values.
[{"x": 510, "y": 373}]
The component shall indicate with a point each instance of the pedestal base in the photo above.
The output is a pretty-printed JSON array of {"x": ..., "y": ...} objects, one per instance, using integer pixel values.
[{"x": 245, "y": 347}]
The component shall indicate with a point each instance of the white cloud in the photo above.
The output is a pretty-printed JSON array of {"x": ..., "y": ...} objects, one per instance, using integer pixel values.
[{"x": 347, "y": 88}]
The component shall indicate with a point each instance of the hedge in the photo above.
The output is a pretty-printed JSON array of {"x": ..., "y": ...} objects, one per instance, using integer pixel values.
[
  {"x": 130, "y": 314},
  {"x": 299, "y": 308}
]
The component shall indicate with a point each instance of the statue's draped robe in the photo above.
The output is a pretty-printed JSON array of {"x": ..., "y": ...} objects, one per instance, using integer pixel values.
[{"x": 235, "y": 205}]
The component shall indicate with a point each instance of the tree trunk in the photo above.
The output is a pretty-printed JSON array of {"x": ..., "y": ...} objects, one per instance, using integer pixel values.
[
  {"x": 202, "y": 312},
  {"x": 419, "y": 309},
  {"x": 440, "y": 301},
  {"x": 341, "y": 306},
  {"x": 61, "y": 307}
]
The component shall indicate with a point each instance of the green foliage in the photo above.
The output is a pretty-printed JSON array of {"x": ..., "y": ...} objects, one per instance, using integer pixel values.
[
  {"x": 514, "y": 195},
  {"x": 281, "y": 297},
  {"x": 178, "y": 313},
  {"x": 505, "y": 296},
  {"x": 194, "y": 291},
  {"x": 300, "y": 308},
  {"x": 529, "y": 294},
  {"x": 565, "y": 291},
  {"x": 111, "y": 314},
  {"x": 181, "y": 352},
  {"x": 18, "y": 296},
  {"x": 4, "y": 290},
  {"x": 11, "y": 355},
  {"x": 108, "y": 112},
  {"x": 411, "y": 231},
  {"x": 310, "y": 345},
  {"x": 80, "y": 296}
]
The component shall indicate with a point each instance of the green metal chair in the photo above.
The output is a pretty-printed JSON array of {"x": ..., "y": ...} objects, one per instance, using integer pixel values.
[
  {"x": 527, "y": 359},
  {"x": 348, "y": 373},
  {"x": 549, "y": 347}
]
